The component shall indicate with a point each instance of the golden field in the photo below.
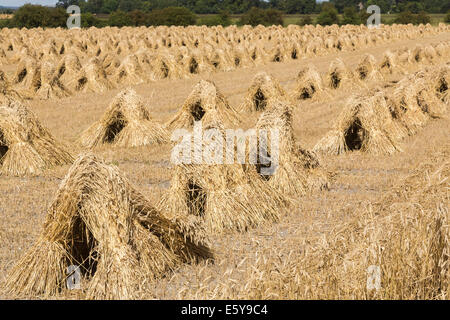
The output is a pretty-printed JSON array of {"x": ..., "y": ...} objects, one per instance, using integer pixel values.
[{"x": 383, "y": 204}]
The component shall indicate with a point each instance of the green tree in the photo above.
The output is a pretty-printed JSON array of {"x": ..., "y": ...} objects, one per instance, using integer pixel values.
[
  {"x": 447, "y": 17},
  {"x": 298, "y": 6},
  {"x": 138, "y": 18},
  {"x": 225, "y": 17},
  {"x": 273, "y": 17},
  {"x": 350, "y": 16},
  {"x": 423, "y": 18},
  {"x": 305, "y": 20},
  {"x": 110, "y": 6},
  {"x": 172, "y": 16},
  {"x": 328, "y": 15},
  {"x": 119, "y": 19},
  {"x": 414, "y": 7},
  {"x": 89, "y": 20},
  {"x": 34, "y": 16},
  {"x": 93, "y": 6},
  {"x": 405, "y": 17},
  {"x": 266, "y": 17},
  {"x": 385, "y": 5},
  {"x": 339, "y": 5},
  {"x": 221, "y": 19},
  {"x": 129, "y": 5}
]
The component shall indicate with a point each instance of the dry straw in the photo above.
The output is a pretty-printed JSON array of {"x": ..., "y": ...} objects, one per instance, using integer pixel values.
[
  {"x": 49, "y": 85},
  {"x": 338, "y": 75},
  {"x": 66, "y": 69},
  {"x": 219, "y": 195},
  {"x": 388, "y": 63},
  {"x": 404, "y": 106},
  {"x": 26, "y": 148},
  {"x": 27, "y": 77},
  {"x": 164, "y": 65},
  {"x": 364, "y": 124},
  {"x": 263, "y": 90},
  {"x": 7, "y": 93},
  {"x": 308, "y": 84},
  {"x": 110, "y": 63},
  {"x": 129, "y": 71},
  {"x": 295, "y": 171},
  {"x": 367, "y": 70},
  {"x": 93, "y": 78},
  {"x": 126, "y": 123},
  {"x": 427, "y": 99},
  {"x": 100, "y": 223},
  {"x": 207, "y": 104},
  {"x": 440, "y": 82}
]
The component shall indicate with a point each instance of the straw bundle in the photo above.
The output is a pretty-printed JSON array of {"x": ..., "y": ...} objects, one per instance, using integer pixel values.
[
  {"x": 24, "y": 52},
  {"x": 218, "y": 195},
  {"x": 101, "y": 224},
  {"x": 110, "y": 63},
  {"x": 220, "y": 60},
  {"x": 27, "y": 76},
  {"x": 430, "y": 53},
  {"x": 338, "y": 75},
  {"x": 308, "y": 84},
  {"x": 7, "y": 93},
  {"x": 164, "y": 66},
  {"x": 67, "y": 69},
  {"x": 126, "y": 123},
  {"x": 50, "y": 86},
  {"x": 427, "y": 99},
  {"x": 263, "y": 90},
  {"x": 388, "y": 63},
  {"x": 417, "y": 55},
  {"x": 297, "y": 170},
  {"x": 3, "y": 57},
  {"x": 257, "y": 54},
  {"x": 194, "y": 62},
  {"x": 26, "y": 148},
  {"x": 441, "y": 49},
  {"x": 239, "y": 57},
  {"x": 129, "y": 72},
  {"x": 440, "y": 82},
  {"x": 93, "y": 78},
  {"x": 365, "y": 124},
  {"x": 404, "y": 107},
  {"x": 207, "y": 104},
  {"x": 367, "y": 70},
  {"x": 404, "y": 56}
]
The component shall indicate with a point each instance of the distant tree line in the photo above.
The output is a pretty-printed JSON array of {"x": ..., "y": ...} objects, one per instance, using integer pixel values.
[
  {"x": 330, "y": 15},
  {"x": 196, "y": 6},
  {"x": 397, "y": 6},
  {"x": 31, "y": 16},
  {"x": 6, "y": 11},
  {"x": 241, "y": 6},
  {"x": 34, "y": 16}
]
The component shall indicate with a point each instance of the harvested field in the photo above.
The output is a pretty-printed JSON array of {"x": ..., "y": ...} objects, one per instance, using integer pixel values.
[{"x": 87, "y": 176}]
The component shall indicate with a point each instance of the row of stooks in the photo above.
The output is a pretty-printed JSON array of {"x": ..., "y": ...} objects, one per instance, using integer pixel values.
[
  {"x": 311, "y": 85},
  {"x": 54, "y": 43},
  {"x": 100, "y": 223},
  {"x": 87, "y": 44},
  {"x": 47, "y": 80},
  {"x": 55, "y": 75},
  {"x": 127, "y": 122}
]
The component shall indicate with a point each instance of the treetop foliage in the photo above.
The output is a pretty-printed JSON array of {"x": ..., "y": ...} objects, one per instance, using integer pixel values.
[{"x": 241, "y": 6}]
